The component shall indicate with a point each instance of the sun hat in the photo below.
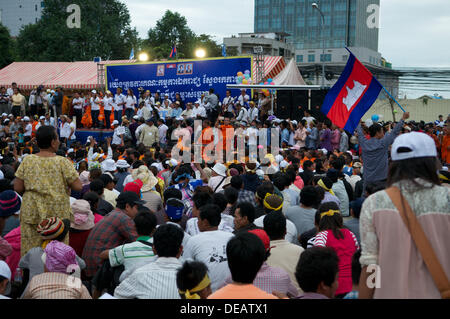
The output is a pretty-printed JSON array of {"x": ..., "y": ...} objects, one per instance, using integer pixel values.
[
  {"x": 146, "y": 176},
  {"x": 413, "y": 145},
  {"x": 284, "y": 164},
  {"x": 122, "y": 164},
  {"x": 83, "y": 218},
  {"x": 279, "y": 158},
  {"x": 53, "y": 227},
  {"x": 134, "y": 186},
  {"x": 109, "y": 165},
  {"x": 220, "y": 169},
  {"x": 10, "y": 203},
  {"x": 84, "y": 178},
  {"x": 263, "y": 236},
  {"x": 58, "y": 257},
  {"x": 173, "y": 162},
  {"x": 357, "y": 165}
]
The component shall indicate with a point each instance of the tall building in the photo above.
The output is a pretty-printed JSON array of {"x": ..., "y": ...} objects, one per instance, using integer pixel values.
[
  {"x": 17, "y": 13},
  {"x": 347, "y": 23}
]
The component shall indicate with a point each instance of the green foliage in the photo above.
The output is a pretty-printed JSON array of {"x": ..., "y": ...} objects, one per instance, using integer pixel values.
[
  {"x": 172, "y": 29},
  {"x": 6, "y": 47},
  {"x": 105, "y": 31}
]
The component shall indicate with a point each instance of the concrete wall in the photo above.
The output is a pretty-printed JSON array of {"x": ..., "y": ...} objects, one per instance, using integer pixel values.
[{"x": 419, "y": 111}]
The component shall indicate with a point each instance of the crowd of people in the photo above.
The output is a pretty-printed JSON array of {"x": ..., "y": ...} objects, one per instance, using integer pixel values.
[{"x": 123, "y": 218}]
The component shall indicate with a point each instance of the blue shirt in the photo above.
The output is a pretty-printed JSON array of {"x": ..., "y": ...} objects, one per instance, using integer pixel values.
[
  {"x": 285, "y": 136},
  {"x": 177, "y": 112}
]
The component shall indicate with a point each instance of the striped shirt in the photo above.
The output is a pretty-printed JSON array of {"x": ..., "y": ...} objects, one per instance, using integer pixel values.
[
  {"x": 132, "y": 256},
  {"x": 54, "y": 285},
  {"x": 157, "y": 280}
]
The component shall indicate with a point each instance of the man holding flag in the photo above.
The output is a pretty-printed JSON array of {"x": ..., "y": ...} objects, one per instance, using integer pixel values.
[{"x": 347, "y": 102}]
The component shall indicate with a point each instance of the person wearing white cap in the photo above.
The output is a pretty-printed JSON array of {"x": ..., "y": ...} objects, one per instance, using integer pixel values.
[
  {"x": 199, "y": 110},
  {"x": 391, "y": 220},
  {"x": 219, "y": 173},
  {"x": 95, "y": 108},
  {"x": 28, "y": 127},
  {"x": 5, "y": 279},
  {"x": 118, "y": 133},
  {"x": 108, "y": 102}
]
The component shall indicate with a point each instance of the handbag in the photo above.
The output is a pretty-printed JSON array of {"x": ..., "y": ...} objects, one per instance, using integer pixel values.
[{"x": 421, "y": 241}]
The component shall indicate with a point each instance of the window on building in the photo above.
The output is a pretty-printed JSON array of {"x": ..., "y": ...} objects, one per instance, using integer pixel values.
[
  {"x": 35, "y": 7},
  {"x": 299, "y": 58},
  {"x": 325, "y": 58},
  {"x": 311, "y": 58}
]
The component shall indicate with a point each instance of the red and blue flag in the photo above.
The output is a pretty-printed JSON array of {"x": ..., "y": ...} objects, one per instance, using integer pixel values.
[
  {"x": 173, "y": 52},
  {"x": 352, "y": 95}
]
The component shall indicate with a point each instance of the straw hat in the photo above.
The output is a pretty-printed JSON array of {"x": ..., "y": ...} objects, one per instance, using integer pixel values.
[{"x": 146, "y": 176}]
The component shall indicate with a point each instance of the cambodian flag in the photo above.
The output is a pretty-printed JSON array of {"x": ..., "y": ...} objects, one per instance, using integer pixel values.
[
  {"x": 352, "y": 95},
  {"x": 173, "y": 52}
]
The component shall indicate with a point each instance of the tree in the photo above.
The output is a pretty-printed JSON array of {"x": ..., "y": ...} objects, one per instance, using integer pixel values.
[
  {"x": 6, "y": 47},
  {"x": 172, "y": 29},
  {"x": 105, "y": 31}
]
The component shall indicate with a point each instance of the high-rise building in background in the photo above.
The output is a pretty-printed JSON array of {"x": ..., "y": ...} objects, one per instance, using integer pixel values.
[
  {"x": 14, "y": 14},
  {"x": 347, "y": 23}
]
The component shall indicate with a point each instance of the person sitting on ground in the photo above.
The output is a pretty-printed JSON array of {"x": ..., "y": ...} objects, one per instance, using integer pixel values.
[
  {"x": 303, "y": 215},
  {"x": 116, "y": 228},
  {"x": 138, "y": 253},
  {"x": 326, "y": 183},
  {"x": 245, "y": 254},
  {"x": 49, "y": 229},
  {"x": 317, "y": 273},
  {"x": 103, "y": 207},
  {"x": 270, "y": 279},
  {"x": 244, "y": 195},
  {"x": 274, "y": 203},
  {"x": 61, "y": 267},
  {"x": 333, "y": 234},
  {"x": 82, "y": 222},
  {"x": 283, "y": 254},
  {"x": 157, "y": 280},
  {"x": 355, "y": 211},
  {"x": 193, "y": 281},
  {"x": 244, "y": 217},
  {"x": 231, "y": 195},
  {"x": 109, "y": 193},
  {"x": 210, "y": 244}
]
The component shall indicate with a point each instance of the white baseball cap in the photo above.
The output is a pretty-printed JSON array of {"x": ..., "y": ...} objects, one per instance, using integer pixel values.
[
  {"x": 413, "y": 145},
  {"x": 94, "y": 91},
  {"x": 26, "y": 119},
  {"x": 4, "y": 114},
  {"x": 284, "y": 164},
  {"x": 115, "y": 122},
  {"x": 42, "y": 118}
]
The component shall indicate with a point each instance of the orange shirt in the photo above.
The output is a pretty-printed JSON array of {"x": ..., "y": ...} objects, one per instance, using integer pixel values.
[
  {"x": 445, "y": 149},
  {"x": 233, "y": 291},
  {"x": 225, "y": 137}
]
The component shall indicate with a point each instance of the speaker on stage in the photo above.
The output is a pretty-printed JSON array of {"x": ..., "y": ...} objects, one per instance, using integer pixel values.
[
  {"x": 284, "y": 104},
  {"x": 317, "y": 98}
]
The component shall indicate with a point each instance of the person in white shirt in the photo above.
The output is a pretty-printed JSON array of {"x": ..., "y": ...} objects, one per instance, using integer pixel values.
[
  {"x": 253, "y": 112},
  {"x": 28, "y": 127},
  {"x": 64, "y": 128},
  {"x": 130, "y": 104},
  {"x": 199, "y": 111},
  {"x": 149, "y": 100},
  {"x": 187, "y": 113},
  {"x": 49, "y": 120},
  {"x": 356, "y": 175},
  {"x": 41, "y": 122},
  {"x": 158, "y": 279},
  {"x": 119, "y": 102},
  {"x": 308, "y": 118},
  {"x": 77, "y": 104},
  {"x": 73, "y": 128},
  {"x": 209, "y": 246},
  {"x": 118, "y": 133},
  {"x": 227, "y": 103},
  {"x": 243, "y": 98},
  {"x": 95, "y": 108},
  {"x": 166, "y": 98},
  {"x": 108, "y": 102},
  {"x": 242, "y": 113},
  {"x": 139, "y": 129},
  {"x": 162, "y": 130},
  {"x": 251, "y": 134}
]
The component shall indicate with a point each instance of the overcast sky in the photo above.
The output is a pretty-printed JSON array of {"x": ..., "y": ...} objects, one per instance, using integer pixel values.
[{"x": 413, "y": 33}]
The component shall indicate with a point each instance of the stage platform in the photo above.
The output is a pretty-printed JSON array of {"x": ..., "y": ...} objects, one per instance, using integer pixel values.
[{"x": 99, "y": 135}]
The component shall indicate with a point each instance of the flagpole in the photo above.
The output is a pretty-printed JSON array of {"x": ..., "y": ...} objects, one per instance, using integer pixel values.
[
  {"x": 383, "y": 87},
  {"x": 393, "y": 98}
]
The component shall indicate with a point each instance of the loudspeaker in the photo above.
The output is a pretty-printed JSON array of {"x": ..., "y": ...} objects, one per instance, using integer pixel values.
[
  {"x": 284, "y": 104},
  {"x": 317, "y": 98},
  {"x": 299, "y": 104}
]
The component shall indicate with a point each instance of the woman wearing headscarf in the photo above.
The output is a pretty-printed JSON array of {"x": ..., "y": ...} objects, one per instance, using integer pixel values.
[
  {"x": 61, "y": 279},
  {"x": 45, "y": 180}
]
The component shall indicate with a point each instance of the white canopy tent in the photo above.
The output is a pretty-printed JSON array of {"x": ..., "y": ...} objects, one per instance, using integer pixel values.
[{"x": 290, "y": 75}]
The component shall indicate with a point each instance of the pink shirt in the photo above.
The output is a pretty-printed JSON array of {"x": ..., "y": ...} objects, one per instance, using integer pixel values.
[{"x": 345, "y": 248}]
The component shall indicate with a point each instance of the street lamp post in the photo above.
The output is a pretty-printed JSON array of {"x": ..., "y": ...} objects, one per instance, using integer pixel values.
[{"x": 316, "y": 6}]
